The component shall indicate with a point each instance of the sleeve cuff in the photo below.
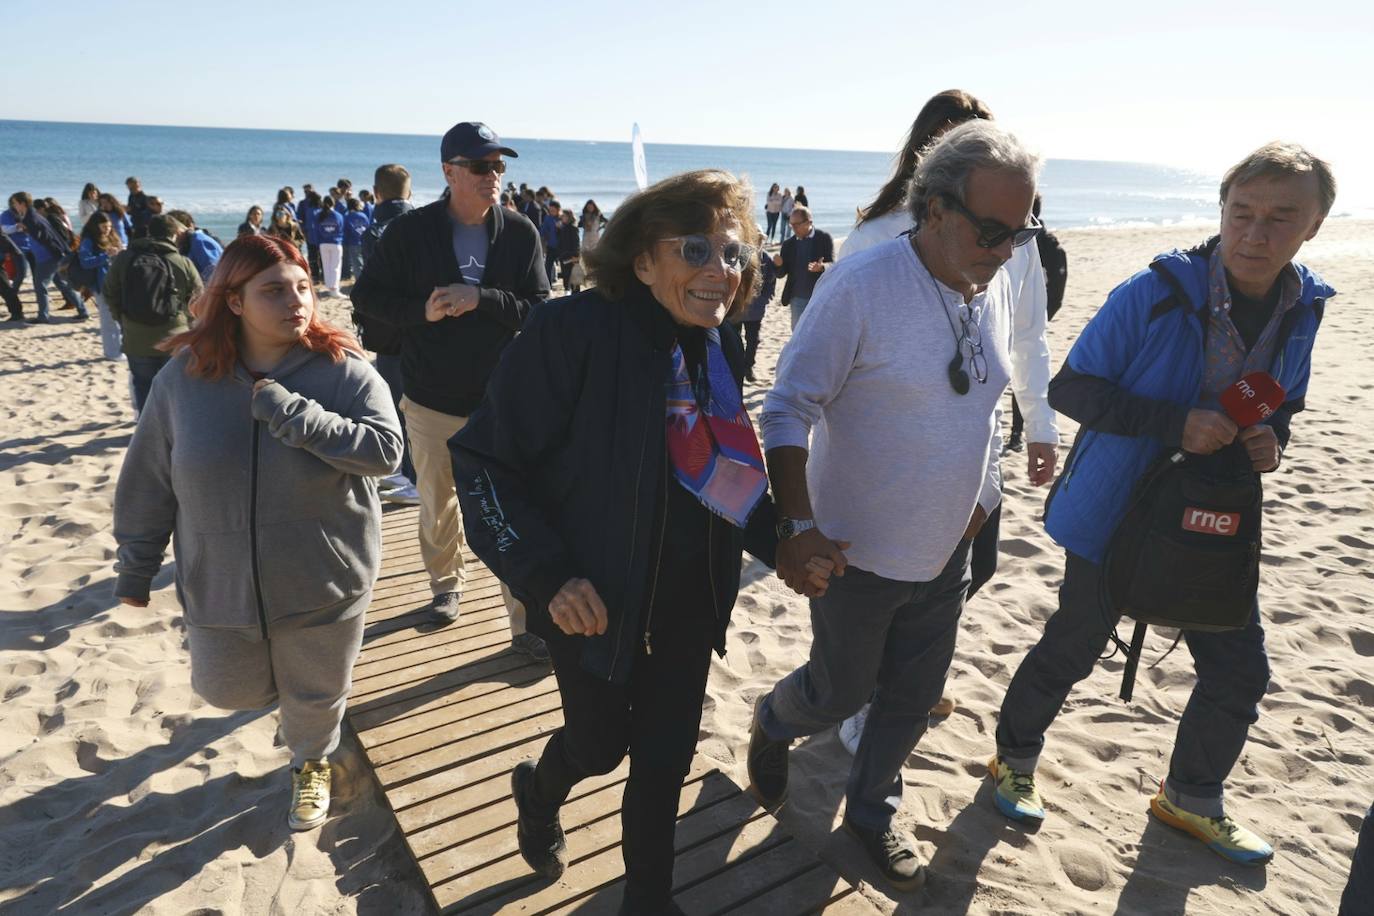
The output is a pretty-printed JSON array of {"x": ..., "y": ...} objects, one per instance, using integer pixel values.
[
  {"x": 269, "y": 400},
  {"x": 132, "y": 585}
]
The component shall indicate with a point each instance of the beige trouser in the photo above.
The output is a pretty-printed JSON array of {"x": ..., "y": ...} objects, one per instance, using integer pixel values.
[{"x": 441, "y": 523}]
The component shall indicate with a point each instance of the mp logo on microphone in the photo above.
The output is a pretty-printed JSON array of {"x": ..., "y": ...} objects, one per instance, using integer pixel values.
[{"x": 1209, "y": 521}]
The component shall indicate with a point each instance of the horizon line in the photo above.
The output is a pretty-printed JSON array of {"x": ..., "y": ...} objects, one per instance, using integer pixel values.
[{"x": 378, "y": 133}]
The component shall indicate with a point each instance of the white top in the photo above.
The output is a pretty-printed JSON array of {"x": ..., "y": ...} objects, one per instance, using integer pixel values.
[
  {"x": 898, "y": 459},
  {"x": 1030, "y": 354}
]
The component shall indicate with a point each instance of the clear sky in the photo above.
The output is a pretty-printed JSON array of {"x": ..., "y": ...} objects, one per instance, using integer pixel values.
[{"x": 1195, "y": 84}]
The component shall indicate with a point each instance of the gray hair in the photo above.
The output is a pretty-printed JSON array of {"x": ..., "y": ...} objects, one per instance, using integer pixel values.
[
  {"x": 972, "y": 145},
  {"x": 1280, "y": 160},
  {"x": 802, "y": 209}
]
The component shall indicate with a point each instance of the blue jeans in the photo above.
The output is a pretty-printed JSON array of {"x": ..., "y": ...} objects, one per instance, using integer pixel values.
[
  {"x": 142, "y": 369},
  {"x": 870, "y": 631},
  {"x": 772, "y": 225},
  {"x": 797, "y": 305},
  {"x": 1232, "y": 676},
  {"x": 45, "y": 272},
  {"x": 389, "y": 368},
  {"x": 352, "y": 261}
]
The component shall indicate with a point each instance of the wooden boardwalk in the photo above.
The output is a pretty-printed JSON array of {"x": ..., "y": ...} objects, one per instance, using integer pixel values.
[{"x": 445, "y": 713}]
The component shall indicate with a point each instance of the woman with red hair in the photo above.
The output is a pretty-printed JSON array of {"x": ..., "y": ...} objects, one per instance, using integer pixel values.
[{"x": 257, "y": 448}]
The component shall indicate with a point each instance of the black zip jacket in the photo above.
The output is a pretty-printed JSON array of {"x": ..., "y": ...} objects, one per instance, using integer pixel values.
[
  {"x": 445, "y": 364},
  {"x": 559, "y": 472}
]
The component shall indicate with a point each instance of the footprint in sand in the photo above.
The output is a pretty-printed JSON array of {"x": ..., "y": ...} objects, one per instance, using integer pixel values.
[{"x": 1083, "y": 865}]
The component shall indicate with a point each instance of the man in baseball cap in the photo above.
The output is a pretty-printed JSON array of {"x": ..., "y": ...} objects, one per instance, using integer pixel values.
[
  {"x": 457, "y": 279},
  {"x": 472, "y": 140}
]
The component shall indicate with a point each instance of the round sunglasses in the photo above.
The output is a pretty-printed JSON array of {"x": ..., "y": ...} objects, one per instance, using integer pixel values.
[
  {"x": 991, "y": 233},
  {"x": 696, "y": 250}
]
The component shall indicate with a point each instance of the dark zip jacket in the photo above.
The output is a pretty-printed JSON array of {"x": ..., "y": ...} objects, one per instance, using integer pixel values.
[
  {"x": 560, "y": 472},
  {"x": 445, "y": 364}
]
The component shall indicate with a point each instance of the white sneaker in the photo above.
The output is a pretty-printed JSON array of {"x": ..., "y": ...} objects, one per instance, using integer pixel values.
[
  {"x": 852, "y": 729},
  {"x": 394, "y": 482},
  {"x": 406, "y": 495}
]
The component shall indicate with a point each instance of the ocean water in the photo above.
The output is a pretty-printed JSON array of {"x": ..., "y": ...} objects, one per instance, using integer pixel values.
[{"x": 218, "y": 173}]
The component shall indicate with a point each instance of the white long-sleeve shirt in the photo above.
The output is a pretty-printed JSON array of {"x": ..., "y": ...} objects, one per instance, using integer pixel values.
[
  {"x": 1030, "y": 354},
  {"x": 898, "y": 459}
]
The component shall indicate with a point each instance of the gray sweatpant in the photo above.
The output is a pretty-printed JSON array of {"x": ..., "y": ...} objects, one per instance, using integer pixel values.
[{"x": 307, "y": 672}]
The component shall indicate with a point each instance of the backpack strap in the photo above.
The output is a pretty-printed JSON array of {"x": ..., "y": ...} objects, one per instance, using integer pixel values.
[{"x": 1133, "y": 661}]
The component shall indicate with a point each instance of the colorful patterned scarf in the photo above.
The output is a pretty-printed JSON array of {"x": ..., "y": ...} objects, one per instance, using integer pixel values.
[{"x": 717, "y": 460}]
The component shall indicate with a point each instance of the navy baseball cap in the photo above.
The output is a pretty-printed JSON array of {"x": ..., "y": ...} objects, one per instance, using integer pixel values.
[{"x": 472, "y": 140}]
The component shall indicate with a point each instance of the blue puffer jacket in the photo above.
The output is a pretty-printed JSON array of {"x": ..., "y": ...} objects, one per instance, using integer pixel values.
[{"x": 1148, "y": 339}]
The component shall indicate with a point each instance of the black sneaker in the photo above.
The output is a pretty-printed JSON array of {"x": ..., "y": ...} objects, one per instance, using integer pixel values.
[
  {"x": 531, "y": 645},
  {"x": 445, "y": 606},
  {"x": 767, "y": 765},
  {"x": 1014, "y": 444},
  {"x": 541, "y": 841},
  {"x": 893, "y": 853}
]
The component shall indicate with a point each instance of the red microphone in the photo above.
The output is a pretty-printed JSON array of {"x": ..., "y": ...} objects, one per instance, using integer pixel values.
[{"x": 1253, "y": 399}]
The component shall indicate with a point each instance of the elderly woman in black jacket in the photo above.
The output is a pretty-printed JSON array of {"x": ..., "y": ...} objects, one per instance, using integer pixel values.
[{"x": 612, "y": 479}]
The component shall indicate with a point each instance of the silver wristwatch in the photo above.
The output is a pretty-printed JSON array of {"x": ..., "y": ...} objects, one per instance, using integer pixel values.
[{"x": 791, "y": 527}]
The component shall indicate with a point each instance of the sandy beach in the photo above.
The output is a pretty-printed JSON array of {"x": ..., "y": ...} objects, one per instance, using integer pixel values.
[{"x": 121, "y": 791}]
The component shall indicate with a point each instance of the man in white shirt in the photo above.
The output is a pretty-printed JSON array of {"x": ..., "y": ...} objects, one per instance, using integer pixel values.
[{"x": 881, "y": 444}]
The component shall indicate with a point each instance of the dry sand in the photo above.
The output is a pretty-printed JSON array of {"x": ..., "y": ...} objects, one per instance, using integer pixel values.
[{"x": 120, "y": 791}]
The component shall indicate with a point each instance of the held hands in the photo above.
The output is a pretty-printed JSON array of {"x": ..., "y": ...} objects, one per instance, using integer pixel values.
[
  {"x": 806, "y": 562},
  {"x": 578, "y": 610},
  {"x": 450, "y": 301},
  {"x": 1262, "y": 445},
  {"x": 1041, "y": 459},
  {"x": 777, "y": 260},
  {"x": 816, "y": 266},
  {"x": 1208, "y": 430}
]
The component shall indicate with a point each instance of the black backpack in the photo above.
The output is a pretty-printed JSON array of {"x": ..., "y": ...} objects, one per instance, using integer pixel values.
[
  {"x": 78, "y": 275},
  {"x": 376, "y": 335},
  {"x": 1187, "y": 552},
  {"x": 150, "y": 289}
]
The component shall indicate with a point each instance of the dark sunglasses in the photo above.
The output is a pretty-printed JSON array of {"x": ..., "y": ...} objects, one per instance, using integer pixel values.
[
  {"x": 696, "y": 250},
  {"x": 990, "y": 232},
  {"x": 480, "y": 166}
]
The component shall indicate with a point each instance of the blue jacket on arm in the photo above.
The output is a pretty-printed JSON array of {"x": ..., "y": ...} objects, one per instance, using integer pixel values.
[{"x": 1147, "y": 340}]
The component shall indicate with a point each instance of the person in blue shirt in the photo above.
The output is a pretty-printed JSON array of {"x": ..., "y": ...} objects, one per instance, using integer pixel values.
[
  {"x": 548, "y": 233},
  {"x": 119, "y": 219},
  {"x": 44, "y": 247},
  {"x": 201, "y": 247},
  {"x": 355, "y": 226},
  {"x": 307, "y": 211},
  {"x": 100, "y": 243},
  {"x": 329, "y": 228},
  {"x": 369, "y": 202}
]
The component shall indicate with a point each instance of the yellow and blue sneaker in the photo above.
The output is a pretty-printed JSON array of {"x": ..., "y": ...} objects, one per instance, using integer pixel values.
[
  {"x": 1222, "y": 835},
  {"x": 1016, "y": 795}
]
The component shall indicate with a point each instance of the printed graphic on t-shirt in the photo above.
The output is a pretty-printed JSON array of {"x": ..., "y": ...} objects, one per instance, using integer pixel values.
[{"x": 472, "y": 270}]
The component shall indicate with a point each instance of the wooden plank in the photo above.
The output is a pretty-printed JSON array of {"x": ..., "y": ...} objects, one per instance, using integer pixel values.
[
  {"x": 508, "y": 886},
  {"x": 496, "y": 667},
  {"x": 441, "y": 643},
  {"x": 446, "y": 832},
  {"x": 452, "y": 753},
  {"x": 478, "y": 650},
  {"x": 400, "y": 642},
  {"x": 477, "y": 726},
  {"x": 453, "y": 710},
  {"x": 373, "y": 725}
]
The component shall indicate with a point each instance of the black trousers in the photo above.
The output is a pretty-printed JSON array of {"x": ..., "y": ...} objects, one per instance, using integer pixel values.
[
  {"x": 751, "y": 343},
  {"x": 983, "y": 558},
  {"x": 654, "y": 718},
  {"x": 10, "y": 293}
]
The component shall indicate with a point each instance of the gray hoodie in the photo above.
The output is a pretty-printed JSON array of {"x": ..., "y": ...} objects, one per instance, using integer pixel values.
[{"x": 271, "y": 495}]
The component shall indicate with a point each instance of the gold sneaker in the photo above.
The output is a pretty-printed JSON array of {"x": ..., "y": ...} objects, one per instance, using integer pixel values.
[{"x": 309, "y": 795}]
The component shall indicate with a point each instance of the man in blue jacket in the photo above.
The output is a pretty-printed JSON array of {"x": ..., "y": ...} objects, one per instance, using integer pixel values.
[{"x": 1144, "y": 377}]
